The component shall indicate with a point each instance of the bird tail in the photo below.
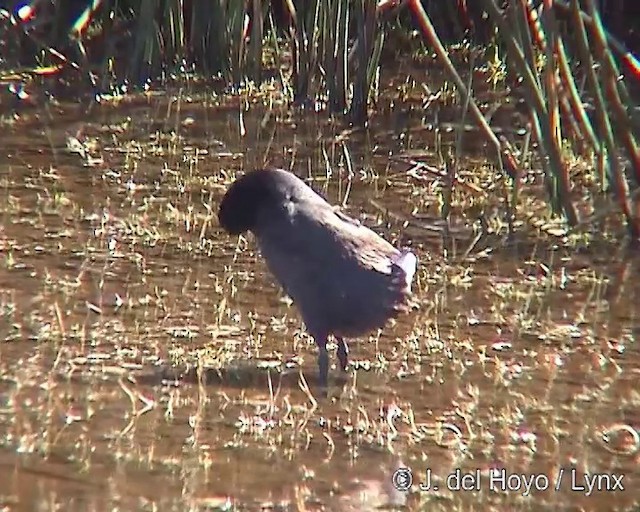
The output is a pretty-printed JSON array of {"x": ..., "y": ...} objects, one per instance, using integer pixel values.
[{"x": 408, "y": 262}]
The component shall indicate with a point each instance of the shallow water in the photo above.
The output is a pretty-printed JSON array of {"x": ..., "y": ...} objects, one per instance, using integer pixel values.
[{"x": 148, "y": 362}]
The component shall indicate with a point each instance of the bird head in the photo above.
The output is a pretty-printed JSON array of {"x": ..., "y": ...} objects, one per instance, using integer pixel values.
[
  {"x": 263, "y": 191},
  {"x": 240, "y": 205}
]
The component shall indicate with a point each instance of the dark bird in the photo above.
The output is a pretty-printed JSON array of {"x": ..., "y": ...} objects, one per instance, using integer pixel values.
[{"x": 344, "y": 279}]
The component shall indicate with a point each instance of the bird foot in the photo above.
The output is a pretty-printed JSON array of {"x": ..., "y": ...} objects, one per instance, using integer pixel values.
[{"x": 343, "y": 354}]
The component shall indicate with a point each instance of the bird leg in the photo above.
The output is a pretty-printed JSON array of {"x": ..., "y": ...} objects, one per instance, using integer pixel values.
[
  {"x": 323, "y": 360},
  {"x": 343, "y": 353}
]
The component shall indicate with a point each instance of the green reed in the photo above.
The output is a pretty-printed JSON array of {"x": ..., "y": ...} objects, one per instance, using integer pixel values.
[
  {"x": 545, "y": 59},
  {"x": 334, "y": 48}
]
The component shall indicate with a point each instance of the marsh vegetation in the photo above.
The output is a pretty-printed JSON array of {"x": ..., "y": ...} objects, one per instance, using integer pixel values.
[{"x": 148, "y": 361}]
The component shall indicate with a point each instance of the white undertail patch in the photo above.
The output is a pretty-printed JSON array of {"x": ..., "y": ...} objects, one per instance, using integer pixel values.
[{"x": 408, "y": 262}]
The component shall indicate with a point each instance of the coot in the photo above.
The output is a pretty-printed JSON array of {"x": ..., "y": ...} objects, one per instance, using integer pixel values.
[{"x": 344, "y": 279}]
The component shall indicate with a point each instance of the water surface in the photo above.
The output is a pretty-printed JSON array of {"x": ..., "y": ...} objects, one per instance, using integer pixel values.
[{"x": 149, "y": 362}]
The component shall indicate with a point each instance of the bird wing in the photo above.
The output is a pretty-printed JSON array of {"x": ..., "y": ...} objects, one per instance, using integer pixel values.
[
  {"x": 369, "y": 248},
  {"x": 342, "y": 276},
  {"x": 311, "y": 239}
]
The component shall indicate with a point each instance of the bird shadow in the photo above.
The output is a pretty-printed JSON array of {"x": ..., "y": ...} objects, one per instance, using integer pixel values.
[
  {"x": 241, "y": 375},
  {"x": 259, "y": 376}
]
